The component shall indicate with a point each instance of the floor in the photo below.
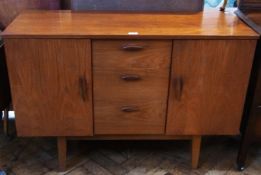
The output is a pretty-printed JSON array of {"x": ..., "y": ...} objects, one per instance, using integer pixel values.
[{"x": 37, "y": 156}]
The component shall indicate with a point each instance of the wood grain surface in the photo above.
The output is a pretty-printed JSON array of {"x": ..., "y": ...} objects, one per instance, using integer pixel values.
[
  {"x": 51, "y": 85},
  {"x": 214, "y": 77},
  {"x": 123, "y": 106},
  {"x": 64, "y": 24}
]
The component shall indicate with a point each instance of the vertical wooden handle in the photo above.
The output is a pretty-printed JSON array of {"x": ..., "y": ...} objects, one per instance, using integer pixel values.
[
  {"x": 178, "y": 84},
  {"x": 83, "y": 88}
]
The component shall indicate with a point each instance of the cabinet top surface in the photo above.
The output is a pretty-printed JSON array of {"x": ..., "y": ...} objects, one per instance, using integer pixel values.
[{"x": 67, "y": 24}]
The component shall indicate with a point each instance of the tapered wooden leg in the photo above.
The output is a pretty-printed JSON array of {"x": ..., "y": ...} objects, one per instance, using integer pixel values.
[
  {"x": 196, "y": 144},
  {"x": 242, "y": 156},
  {"x": 62, "y": 152},
  {"x": 5, "y": 121},
  {"x": 246, "y": 141}
]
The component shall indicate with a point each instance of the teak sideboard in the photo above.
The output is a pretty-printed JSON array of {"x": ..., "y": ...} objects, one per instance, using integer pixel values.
[
  {"x": 251, "y": 122},
  {"x": 108, "y": 75}
]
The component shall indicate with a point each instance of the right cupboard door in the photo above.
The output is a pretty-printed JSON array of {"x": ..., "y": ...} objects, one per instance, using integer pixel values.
[{"x": 209, "y": 80}]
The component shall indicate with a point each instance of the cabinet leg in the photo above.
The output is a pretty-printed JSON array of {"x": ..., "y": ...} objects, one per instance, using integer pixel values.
[
  {"x": 196, "y": 144},
  {"x": 62, "y": 153},
  {"x": 242, "y": 154},
  {"x": 5, "y": 121}
]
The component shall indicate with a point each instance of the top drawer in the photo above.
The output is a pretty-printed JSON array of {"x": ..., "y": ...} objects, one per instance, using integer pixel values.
[{"x": 132, "y": 54}]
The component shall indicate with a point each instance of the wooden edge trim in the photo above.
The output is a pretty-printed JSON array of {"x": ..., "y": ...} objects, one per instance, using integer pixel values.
[{"x": 132, "y": 137}]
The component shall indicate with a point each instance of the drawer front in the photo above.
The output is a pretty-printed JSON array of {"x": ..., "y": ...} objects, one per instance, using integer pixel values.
[
  {"x": 130, "y": 86},
  {"x": 131, "y": 54}
]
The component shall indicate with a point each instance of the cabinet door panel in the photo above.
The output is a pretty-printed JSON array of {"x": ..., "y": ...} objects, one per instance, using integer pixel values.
[
  {"x": 208, "y": 86},
  {"x": 51, "y": 86}
]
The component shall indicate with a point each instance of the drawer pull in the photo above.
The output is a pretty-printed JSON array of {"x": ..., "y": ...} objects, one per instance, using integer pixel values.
[
  {"x": 128, "y": 77},
  {"x": 129, "y": 109},
  {"x": 132, "y": 47},
  {"x": 83, "y": 88},
  {"x": 178, "y": 84}
]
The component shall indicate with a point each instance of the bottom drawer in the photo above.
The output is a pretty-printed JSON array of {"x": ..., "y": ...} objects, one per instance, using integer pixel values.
[{"x": 132, "y": 117}]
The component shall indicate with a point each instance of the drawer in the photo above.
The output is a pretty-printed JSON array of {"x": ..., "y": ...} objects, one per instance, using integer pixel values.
[
  {"x": 117, "y": 54},
  {"x": 133, "y": 116},
  {"x": 130, "y": 86},
  {"x": 130, "y": 107}
]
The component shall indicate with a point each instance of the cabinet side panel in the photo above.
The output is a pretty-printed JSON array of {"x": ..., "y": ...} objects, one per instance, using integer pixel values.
[
  {"x": 214, "y": 75},
  {"x": 51, "y": 86}
]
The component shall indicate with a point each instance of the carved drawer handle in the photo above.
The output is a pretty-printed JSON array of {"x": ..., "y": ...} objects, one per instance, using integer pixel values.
[
  {"x": 129, "y": 77},
  {"x": 129, "y": 109},
  {"x": 83, "y": 88},
  {"x": 178, "y": 85},
  {"x": 132, "y": 47}
]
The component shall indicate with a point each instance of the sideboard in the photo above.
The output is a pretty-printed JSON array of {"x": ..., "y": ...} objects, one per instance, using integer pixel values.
[
  {"x": 251, "y": 125},
  {"x": 128, "y": 76}
]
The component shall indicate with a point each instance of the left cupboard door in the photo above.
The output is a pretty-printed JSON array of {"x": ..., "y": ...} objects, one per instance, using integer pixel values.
[{"x": 51, "y": 86}]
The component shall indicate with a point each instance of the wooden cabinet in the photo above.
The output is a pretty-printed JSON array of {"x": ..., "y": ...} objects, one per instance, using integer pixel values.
[
  {"x": 208, "y": 86},
  {"x": 52, "y": 86},
  {"x": 128, "y": 75},
  {"x": 251, "y": 122}
]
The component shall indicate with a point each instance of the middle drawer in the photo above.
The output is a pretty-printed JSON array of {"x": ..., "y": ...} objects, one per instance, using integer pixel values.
[{"x": 130, "y": 79}]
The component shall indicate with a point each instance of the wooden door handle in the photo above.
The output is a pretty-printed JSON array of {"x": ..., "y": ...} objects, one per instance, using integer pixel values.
[
  {"x": 129, "y": 108},
  {"x": 83, "y": 88},
  {"x": 130, "y": 77},
  {"x": 132, "y": 47},
  {"x": 178, "y": 84}
]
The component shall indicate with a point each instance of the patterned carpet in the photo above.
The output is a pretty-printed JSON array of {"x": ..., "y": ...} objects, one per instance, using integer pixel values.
[{"x": 38, "y": 156}]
